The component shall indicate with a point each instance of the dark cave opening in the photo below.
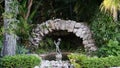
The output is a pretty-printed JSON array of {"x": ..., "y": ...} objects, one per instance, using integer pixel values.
[{"x": 69, "y": 41}]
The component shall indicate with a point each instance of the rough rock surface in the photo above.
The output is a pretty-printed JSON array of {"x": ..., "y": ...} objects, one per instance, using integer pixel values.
[{"x": 80, "y": 29}]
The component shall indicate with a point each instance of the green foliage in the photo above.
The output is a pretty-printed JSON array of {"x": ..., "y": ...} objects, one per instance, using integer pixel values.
[
  {"x": 79, "y": 10},
  {"x": 112, "y": 48},
  {"x": 21, "y": 50},
  {"x": 52, "y": 9},
  {"x": 85, "y": 9},
  {"x": 95, "y": 62},
  {"x": 24, "y": 26},
  {"x": 10, "y": 17},
  {"x": 70, "y": 46},
  {"x": 1, "y": 7},
  {"x": 75, "y": 58},
  {"x": 40, "y": 51},
  {"x": 0, "y": 46},
  {"x": 47, "y": 43},
  {"x": 65, "y": 45},
  {"x": 104, "y": 28},
  {"x": 19, "y": 61},
  {"x": 111, "y": 61},
  {"x": 106, "y": 33},
  {"x": 1, "y": 39},
  {"x": 25, "y": 18}
]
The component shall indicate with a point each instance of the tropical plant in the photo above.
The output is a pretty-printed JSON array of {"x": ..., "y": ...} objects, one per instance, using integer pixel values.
[
  {"x": 112, "y": 6},
  {"x": 25, "y": 17}
]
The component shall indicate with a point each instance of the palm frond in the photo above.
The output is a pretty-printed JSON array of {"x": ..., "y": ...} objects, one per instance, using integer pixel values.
[{"x": 109, "y": 5}]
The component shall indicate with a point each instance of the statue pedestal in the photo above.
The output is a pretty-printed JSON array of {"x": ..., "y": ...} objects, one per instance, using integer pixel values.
[{"x": 58, "y": 57}]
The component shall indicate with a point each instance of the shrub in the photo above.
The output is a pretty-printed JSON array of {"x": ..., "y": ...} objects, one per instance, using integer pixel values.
[
  {"x": 75, "y": 59},
  {"x": 104, "y": 30},
  {"x": 112, "y": 48},
  {"x": 94, "y": 62},
  {"x": 19, "y": 61}
]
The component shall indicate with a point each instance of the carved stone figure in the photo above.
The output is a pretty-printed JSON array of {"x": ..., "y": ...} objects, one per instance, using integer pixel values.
[{"x": 59, "y": 54}]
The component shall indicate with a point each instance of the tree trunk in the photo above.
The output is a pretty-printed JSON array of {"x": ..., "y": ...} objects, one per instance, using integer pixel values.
[
  {"x": 115, "y": 14},
  {"x": 9, "y": 47}
]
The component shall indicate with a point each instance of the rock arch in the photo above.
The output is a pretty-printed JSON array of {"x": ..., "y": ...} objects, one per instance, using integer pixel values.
[{"x": 80, "y": 29}]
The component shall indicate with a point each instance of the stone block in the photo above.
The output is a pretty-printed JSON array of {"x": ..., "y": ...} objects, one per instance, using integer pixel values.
[
  {"x": 57, "y": 25},
  {"x": 41, "y": 27},
  {"x": 36, "y": 30},
  {"x": 37, "y": 35},
  {"x": 87, "y": 37},
  {"x": 86, "y": 29},
  {"x": 46, "y": 31},
  {"x": 114, "y": 67},
  {"x": 62, "y": 24},
  {"x": 90, "y": 45},
  {"x": 36, "y": 39},
  {"x": 67, "y": 24},
  {"x": 93, "y": 48},
  {"x": 56, "y": 20},
  {"x": 82, "y": 26},
  {"x": 52, "y": 25},
  {"x": 85, "y": 42},
  {"x": 41, "y": 33},
  {"x": 78, "y": 33},
  {"x": 91, "y": 41},
  {"x": 83, "y": 33},
  {"x": 77, "y": 25},
  {"x": 48, "y": 26},
  {"x": 71, "y": 26},
  {"x": 75, "y": 30}
]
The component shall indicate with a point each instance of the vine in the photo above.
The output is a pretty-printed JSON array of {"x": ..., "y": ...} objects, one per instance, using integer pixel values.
[{"x": 10, "y": 16}]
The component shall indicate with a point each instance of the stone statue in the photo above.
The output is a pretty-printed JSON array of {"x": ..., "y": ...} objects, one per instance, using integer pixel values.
[{"x": 59, "y": 54}]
